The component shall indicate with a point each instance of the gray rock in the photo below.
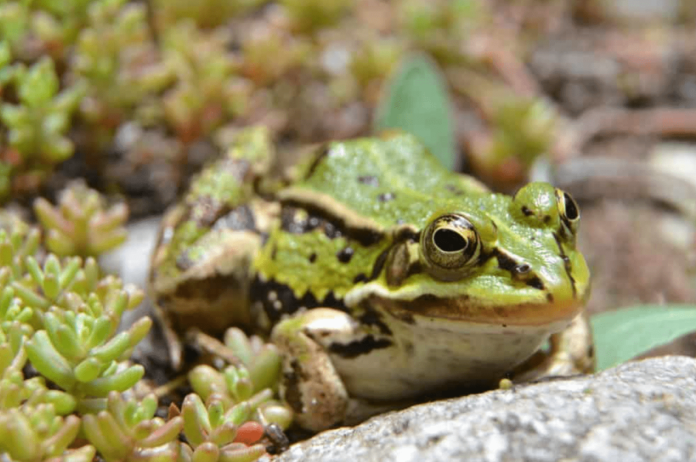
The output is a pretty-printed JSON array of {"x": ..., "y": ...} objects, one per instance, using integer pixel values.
[
  {"x": 639, "y": 411},
  {"x": 131, "y": 261}
]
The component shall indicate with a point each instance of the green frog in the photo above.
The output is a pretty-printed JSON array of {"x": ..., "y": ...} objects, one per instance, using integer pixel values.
[{"x": 380, "y": 275}]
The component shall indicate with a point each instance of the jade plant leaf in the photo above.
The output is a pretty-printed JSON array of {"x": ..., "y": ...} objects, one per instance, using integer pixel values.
[
  {"x": 626, "y": 333},
  {"x": 417, "y": 102}
]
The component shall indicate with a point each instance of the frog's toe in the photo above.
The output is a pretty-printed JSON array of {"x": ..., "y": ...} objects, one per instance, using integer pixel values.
[{"x": 311, "y": 385}]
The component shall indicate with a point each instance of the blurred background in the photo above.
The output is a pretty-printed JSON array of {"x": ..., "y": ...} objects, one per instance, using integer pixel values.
[{"x": 596, "y": 96}]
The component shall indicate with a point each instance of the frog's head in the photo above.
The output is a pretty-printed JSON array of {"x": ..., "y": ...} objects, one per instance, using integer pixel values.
[{"x": 499, "y": 260}]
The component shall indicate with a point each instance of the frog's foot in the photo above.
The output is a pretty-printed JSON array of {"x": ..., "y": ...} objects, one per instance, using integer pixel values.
[
  {"x": 571, "y": 353},
  {"x": 311, "y": 384}
]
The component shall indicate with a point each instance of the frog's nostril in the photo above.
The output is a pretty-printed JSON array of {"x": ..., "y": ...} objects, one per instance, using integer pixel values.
[{"x": 524, "y": 268}]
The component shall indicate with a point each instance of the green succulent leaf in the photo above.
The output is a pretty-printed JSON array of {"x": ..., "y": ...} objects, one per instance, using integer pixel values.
[
  {"x": 49, "y": 362},
  {"x": 626, "y": 333},
  {"x": 121, "y": 381},
  {"x": 416, "y": 101}
]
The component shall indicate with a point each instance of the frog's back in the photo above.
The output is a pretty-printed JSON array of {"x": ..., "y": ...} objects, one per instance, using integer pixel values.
[
  {"x": 336, "y": 220},
  {"x": 391, "y": 180}
]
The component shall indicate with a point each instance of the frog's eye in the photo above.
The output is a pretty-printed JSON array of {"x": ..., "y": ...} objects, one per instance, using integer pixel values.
[
  {"x": 568, "y": 211},
  {"x": 567, "y": 206},
  {"x": 449, "y": 246}
]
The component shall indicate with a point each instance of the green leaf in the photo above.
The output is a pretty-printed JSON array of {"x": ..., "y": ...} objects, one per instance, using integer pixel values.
[
  {"x": 417, "y": 102},
  {"x": 626, "y": 333}
]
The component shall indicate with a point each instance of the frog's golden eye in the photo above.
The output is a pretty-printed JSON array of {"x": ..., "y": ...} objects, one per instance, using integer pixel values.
[
  {"x": 449, "y": 246},
  {"x": 567, "y": 206}
]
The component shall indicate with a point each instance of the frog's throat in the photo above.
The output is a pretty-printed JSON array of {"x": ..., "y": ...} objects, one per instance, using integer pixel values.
[{"x": 466, "y": 309}]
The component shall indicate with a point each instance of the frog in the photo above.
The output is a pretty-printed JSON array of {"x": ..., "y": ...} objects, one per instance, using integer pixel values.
[{"x": 380, "y": 275}]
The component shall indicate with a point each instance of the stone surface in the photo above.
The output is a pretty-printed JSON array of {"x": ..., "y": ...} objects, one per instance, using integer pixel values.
[
  {"x": 640, "y": 411},
  {"x": 131, "y": 261}
]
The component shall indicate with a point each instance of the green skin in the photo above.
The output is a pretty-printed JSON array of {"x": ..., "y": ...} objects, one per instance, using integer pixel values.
[{"x": 380, "y": 275}]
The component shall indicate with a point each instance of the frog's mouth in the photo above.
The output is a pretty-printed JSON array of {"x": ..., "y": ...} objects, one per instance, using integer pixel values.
[{"x": 466, "y": 310}]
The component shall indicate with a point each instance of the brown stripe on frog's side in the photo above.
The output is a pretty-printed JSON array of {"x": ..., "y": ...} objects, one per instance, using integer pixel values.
[
  {"x": 566, "y": 264},
  {"x": 279, "y": 300},
  {"x": 291, "y": 380},
  {"x": 356, "y": 348},
  {"x": 372, "y": 317}
]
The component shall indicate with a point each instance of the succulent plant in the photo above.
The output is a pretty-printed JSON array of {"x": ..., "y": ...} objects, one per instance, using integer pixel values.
[
  {"x": 205, "y": 13},
  {"x": 254, "y": 378},
  {"x": 523, "y": 128},
  {"x": 129, "y": 430},
  {"x": 38, "y": 125},
  {"x": 80, "y": 224},
  {"x": 35, "y": 433},
  {"x": 310, "y": 15},
  {"x": 269, "y": 53},
  {"x": 75, "y": 353},
  {"x": 212, "y": 430},
  {"x": 116, "y": 60},
  {"x": 207, "y": 92}
]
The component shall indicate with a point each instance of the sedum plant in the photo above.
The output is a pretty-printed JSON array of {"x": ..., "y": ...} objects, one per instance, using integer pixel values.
[
  {"x": 66, "y": 317},
  {"x": 116, "y": 61},
  {"x": 81, "y": 224},
  {"x": 206, "y": 13},
  {"x": 253, "y": 378},
  {"x": 35, "y": 433},
  {"x": 207, "y": 91},
  {"x": 32, "y": 426},
  {"x": 37, "y": 126},
  {"x": 211, "y": 430},
  {"x": 129, "y": 430},
  {"x": 61, "y": 317}
]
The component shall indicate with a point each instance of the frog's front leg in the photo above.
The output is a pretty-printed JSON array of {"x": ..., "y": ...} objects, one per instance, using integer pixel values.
[
  {"x": 571, "y": 353},
  {"x": 311, "y": 383}
]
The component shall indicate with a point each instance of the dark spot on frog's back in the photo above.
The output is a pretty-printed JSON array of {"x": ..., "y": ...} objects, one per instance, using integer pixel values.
[
  {"x": 454, "y": 190},
  {"x": 369, "y": 180},
  {"x": 313, "y": 257},
  {"x": 386, "y": 197},
  {"x": 526, "y": 212},
  {"x": 344, "y": 255}
]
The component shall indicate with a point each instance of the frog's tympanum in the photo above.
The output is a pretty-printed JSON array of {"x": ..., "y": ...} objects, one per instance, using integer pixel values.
[{"x": 380, "y": 275}]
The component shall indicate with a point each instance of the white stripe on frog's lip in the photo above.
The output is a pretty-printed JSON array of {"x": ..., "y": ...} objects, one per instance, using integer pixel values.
[
  {"x": 532, "y": 310},
  {"x": 409, "y": 293}
]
